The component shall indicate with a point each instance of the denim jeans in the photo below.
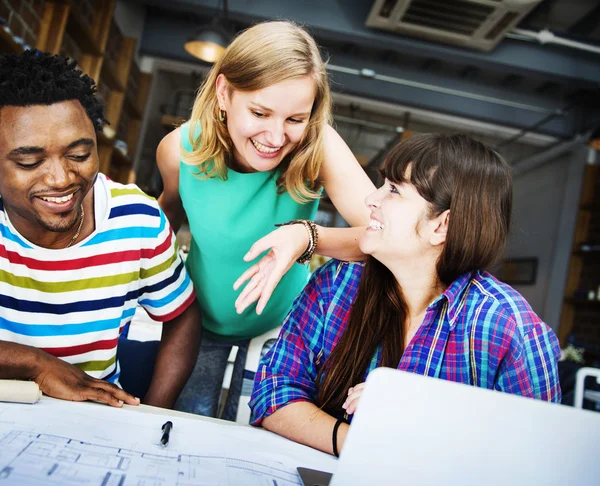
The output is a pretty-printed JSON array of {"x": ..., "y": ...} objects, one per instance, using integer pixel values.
[{"x": 202, "y": 392}]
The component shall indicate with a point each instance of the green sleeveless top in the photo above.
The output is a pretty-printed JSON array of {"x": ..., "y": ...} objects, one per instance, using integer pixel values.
[{"x": 226, "y": 218}]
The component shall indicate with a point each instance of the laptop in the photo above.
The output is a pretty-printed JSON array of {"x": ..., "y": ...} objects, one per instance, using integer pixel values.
[{"x": 415, "y": 430}]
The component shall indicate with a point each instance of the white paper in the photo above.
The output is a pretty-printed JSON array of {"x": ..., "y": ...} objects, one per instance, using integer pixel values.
[{"x": 64, "y": 443}]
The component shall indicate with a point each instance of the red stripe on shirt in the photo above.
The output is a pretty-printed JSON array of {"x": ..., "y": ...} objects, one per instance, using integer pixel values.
[
  {"x": 82, "y": 348},
  {"x": 91, "y": 261},
  {"x": 176, "y": 312}
]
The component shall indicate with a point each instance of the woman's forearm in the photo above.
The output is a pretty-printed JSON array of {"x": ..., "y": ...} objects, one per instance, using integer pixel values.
[
  {"x": 340, "y": 243},
  {"x": 305, "y": 423}
]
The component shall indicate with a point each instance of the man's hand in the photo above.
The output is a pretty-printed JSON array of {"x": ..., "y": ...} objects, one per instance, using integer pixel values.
[
  {"x": 59, "y": 379},
  {"x": 352, "y": 400}
]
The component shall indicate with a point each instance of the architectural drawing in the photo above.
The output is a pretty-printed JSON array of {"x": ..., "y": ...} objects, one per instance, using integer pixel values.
[
  {"x": 32, "y": 459},
  {"x": 54, "y": 442}
]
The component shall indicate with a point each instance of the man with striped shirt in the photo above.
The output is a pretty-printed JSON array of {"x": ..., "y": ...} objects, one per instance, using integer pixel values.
[{"x": 79, "y": 252}]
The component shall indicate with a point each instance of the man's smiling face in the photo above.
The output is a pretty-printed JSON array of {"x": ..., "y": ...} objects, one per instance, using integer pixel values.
[{"x": 48, "y": 163}]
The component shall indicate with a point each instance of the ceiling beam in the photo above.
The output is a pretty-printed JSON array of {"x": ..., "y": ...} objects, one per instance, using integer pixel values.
[
  {"x": 403, "y": 84},
  {"x": 345, "y": 22},
  {"x": 164, "y": 37}
]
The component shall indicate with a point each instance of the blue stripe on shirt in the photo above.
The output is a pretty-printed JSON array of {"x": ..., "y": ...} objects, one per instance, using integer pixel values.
[
  {"x": 31, "y": 306},
  {"x": 133, "y": 232},
  {"x": 130, "y": 209},
  {"x": 9, "y": 235},
  {"x": 130, "y": 232},
  {"x": 169, "y": 298},
  {"x": 150, "y": 289},
  {"x": 40, "y": 330}
]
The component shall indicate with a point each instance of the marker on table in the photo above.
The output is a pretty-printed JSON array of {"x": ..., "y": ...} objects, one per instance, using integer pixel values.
[{"x": 166, "y": 428}]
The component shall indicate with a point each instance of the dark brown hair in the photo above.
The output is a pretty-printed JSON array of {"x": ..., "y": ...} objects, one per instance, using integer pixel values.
[{"x": 451, "y": 172}]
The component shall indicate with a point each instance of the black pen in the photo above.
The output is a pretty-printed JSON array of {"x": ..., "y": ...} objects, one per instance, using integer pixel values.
[{"x": 166, "y": 428}]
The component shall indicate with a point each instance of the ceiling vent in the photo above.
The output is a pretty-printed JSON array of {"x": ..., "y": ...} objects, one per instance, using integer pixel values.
[{"x": 476, "y": 24}]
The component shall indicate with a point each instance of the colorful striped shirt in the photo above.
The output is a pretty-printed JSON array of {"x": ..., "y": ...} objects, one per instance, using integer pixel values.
[
  {"x": 74, "y": 303},
  {"x": 479, "y": 331}
]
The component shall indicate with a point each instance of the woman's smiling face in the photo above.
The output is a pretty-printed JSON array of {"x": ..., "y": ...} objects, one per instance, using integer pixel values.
[
  {"x": 400, "y": 228},
  {"x": 267, "y": 124}
]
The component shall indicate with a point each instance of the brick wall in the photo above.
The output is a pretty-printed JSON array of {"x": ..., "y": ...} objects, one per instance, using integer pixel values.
[
  {"x": 113, "y": 46},
  {"x": 23, "y": 18},
  {"x": 85, "y": 9},
  {"x": 70, "y": 48}
]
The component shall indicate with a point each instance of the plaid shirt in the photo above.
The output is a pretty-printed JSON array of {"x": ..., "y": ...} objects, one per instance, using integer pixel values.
[{"x": 479, "y": 331}]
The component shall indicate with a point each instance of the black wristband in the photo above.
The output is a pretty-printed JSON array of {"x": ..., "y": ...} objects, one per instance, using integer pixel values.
[{"x": 334, "y": 437}]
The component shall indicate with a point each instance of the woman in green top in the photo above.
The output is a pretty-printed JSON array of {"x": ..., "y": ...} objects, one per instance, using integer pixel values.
[{"x": 257, "y": 151}]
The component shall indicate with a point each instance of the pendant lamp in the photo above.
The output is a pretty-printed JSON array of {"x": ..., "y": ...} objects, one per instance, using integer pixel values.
[{"x": 210, "y": 40}]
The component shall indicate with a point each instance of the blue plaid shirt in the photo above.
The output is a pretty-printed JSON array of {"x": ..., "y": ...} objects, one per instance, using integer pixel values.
[{"x": 480, "y": 332}]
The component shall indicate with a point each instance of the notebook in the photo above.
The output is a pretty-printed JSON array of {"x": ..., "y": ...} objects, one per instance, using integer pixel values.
[{"x": 415, "y": 430}]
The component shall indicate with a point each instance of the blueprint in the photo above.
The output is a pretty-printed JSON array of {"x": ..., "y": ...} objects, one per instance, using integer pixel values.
[{"x": 62, "y": 443}]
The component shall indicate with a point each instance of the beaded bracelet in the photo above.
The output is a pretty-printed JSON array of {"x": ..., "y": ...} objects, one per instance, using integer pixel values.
[{"x": 313, "y": 238}]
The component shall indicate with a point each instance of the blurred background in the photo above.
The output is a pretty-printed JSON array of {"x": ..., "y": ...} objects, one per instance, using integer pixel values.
[{"x": 521, "y": 75}]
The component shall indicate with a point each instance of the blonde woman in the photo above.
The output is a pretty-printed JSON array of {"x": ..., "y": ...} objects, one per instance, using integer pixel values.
[{"x": 257, "y": 151}]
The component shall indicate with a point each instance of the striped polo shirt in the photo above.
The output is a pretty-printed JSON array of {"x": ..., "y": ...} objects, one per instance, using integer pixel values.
[{"x": 74, "y": 303}]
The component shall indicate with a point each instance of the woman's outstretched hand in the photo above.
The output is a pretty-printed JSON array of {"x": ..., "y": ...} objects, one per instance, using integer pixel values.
[{"x": 285, "y": 245}]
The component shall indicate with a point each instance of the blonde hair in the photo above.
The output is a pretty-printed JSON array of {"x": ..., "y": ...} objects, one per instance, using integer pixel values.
[{"x": 261, "y": 56}]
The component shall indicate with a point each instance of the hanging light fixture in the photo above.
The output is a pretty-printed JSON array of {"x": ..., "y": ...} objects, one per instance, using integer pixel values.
[{"x": 211, "y": 40}]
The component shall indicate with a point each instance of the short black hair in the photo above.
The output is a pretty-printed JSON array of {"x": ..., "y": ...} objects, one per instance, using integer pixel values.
[{"x": 40, "y": 78}]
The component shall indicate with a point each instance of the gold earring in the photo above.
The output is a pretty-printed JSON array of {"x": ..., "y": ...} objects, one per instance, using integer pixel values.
[{"x": 222, "y": 116}]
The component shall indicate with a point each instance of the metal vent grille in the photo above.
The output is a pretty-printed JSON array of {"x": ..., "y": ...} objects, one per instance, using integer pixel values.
[{"x": 477, "y": 24}]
